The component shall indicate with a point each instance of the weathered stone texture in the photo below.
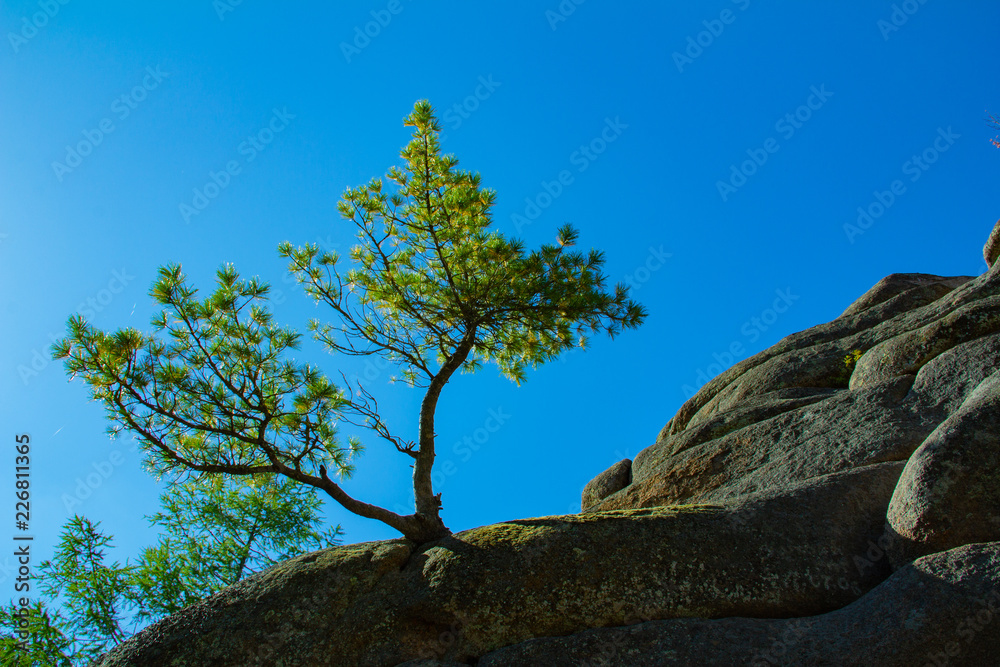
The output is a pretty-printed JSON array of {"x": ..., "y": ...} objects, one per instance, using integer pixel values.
[{"x": 799, "y": 509}]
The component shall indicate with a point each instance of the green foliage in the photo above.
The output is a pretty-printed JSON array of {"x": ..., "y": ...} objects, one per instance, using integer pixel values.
[
  {"x": 212, "y": 393},
  {"x": 45, "y": 642},
  {"x": 90, "y": 586},
  {"x": 217, "y": 532},
  {"x": 91, "y": 592},
  {"x": 843, "y": 376},
  {"x": 431, "y": 288},
  {"x": 428, "y": 271}
]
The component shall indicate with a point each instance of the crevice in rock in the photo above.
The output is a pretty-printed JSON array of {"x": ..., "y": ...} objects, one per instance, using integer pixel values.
[
  {"x": 904, "y": 312},
  {"x": 767, "y": 406}
]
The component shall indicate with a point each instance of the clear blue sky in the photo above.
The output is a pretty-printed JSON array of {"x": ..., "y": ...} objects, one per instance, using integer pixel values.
[{"x": 714, "y": 150}]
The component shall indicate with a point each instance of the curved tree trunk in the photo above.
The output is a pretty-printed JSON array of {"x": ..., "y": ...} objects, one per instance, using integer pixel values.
[{"x": 429, "y": 505}]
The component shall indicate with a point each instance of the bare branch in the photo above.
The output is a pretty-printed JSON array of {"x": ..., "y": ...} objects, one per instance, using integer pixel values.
[{"x": 365, "y": 405}]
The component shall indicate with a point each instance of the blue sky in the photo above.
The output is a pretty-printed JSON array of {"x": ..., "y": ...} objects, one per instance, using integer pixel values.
[{"x": 721, "y": 153}]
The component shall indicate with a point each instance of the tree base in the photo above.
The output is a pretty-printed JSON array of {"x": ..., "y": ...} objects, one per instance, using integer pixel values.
[{"x": 422, "y": 528}]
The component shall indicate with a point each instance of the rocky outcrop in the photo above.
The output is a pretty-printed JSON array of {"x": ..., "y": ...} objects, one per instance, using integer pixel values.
[
  {"x": 833, "y": 500},
  {"x": 815, "y": 357},
  {"x": 796, "y": 410},
  {"x": 942, "y": 609},
  {"x": 992, "y": 248},
  {"x": 613, "y": 479},
  {"x": 383, "y": 603},
  {"x": 908, "y": 352},
  {"x": 899, "y": 283},
  {"x": 819, "y": 438},
  {"x": 949, "y": 493}
]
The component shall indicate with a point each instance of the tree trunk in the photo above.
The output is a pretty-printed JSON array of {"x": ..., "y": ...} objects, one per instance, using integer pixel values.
[
  {"x": 428, "y": 505},
  {"x": 416, "y": 527}
]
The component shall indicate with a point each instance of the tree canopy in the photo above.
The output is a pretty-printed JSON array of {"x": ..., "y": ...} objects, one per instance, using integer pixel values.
[{"x": 431, "y": 288}]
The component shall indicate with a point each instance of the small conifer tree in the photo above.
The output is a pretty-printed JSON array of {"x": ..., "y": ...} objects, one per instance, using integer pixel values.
[{"x": 432, "y": 289}]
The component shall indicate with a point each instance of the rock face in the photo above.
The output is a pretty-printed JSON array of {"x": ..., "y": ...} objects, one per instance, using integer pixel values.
[
  {"x": 949, "y": 493},
  {"x": 992, "y": 248},
  {"x": 615, "y": 478},
  {"x": 383, "y": 603},
  {"x": 833, "y": 500},
  {"x": 942, "y": 609}
]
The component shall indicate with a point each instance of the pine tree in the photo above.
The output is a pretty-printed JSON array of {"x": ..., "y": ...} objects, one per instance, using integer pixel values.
[{"x": 432, "y": 288}]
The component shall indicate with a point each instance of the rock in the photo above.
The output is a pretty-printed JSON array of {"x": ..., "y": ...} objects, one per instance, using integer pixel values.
[
  {"x": 949, "y": 493},
  {"x": 897, "y": 284},
  {"x": 797, "y": 510},
  {"x": 383, "y": 603},
  {"x": 278, "y": 616},
  {"x": 613, "y": 479},
  {"x": 992, "y": 247},
  {"x": 907, "y": 353},
  {"x": 813, "y": 358},
  {"x": 943, "y": 384},
  {"x": 784, "y": 416},
  {"x": 749, "y": 412},
  {"x": 943, "y": 609},
  {"x": 841, "y": 431}
]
